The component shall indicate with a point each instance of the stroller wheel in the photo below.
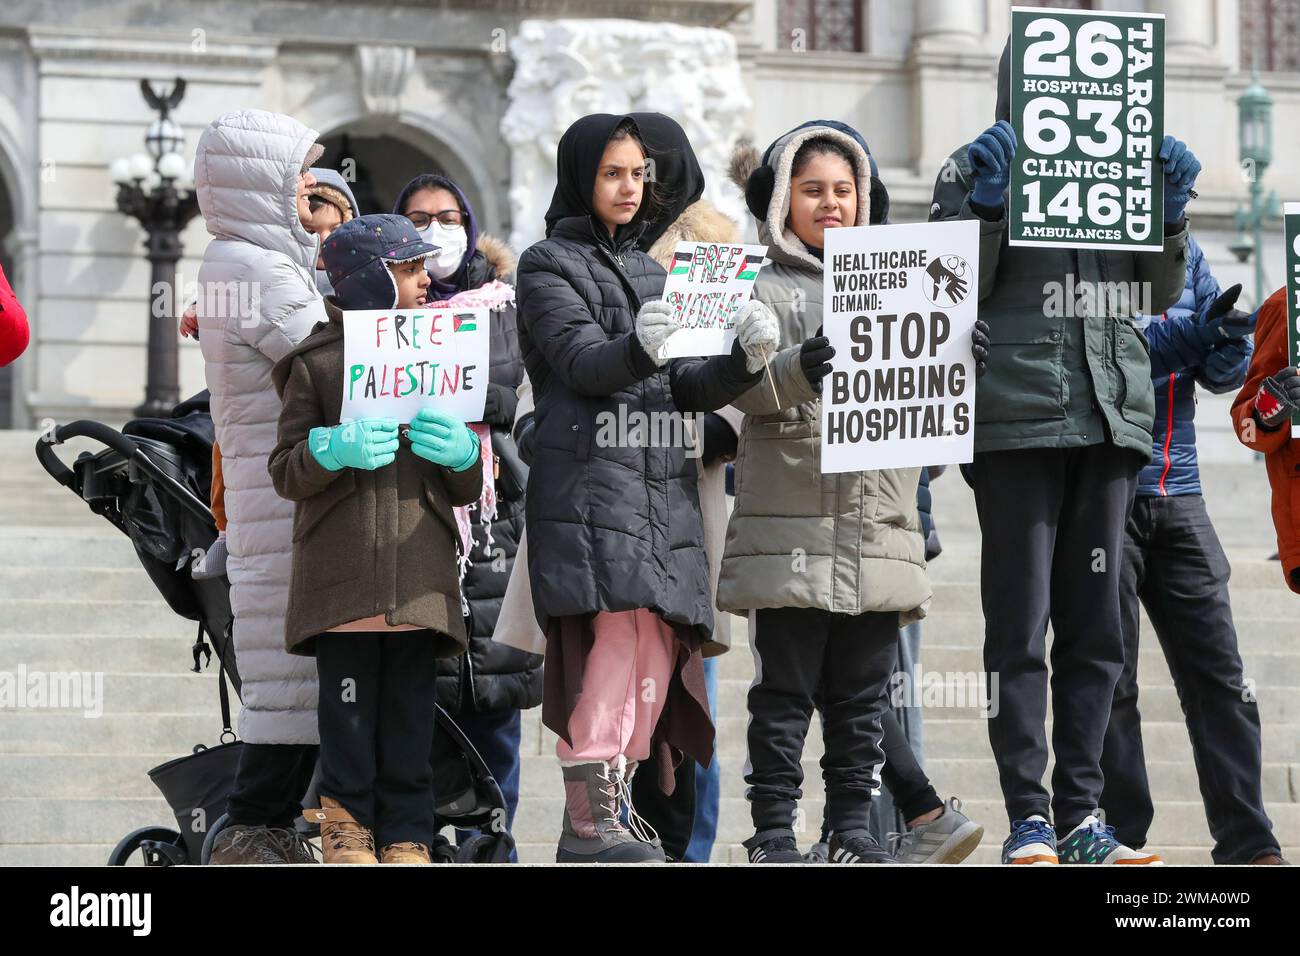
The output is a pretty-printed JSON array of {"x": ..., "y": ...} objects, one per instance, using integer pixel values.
[
  {"x": 486, "y": 848},
  {"x": 222, "y": 822},
  {"x": 443, "y": 851},
  {"x": 149, "y": 846}
]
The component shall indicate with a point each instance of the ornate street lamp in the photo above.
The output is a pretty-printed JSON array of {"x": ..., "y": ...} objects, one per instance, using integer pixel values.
[
  {"x": 156, "y": 189},
  {"x": 1255, "y": 133}
]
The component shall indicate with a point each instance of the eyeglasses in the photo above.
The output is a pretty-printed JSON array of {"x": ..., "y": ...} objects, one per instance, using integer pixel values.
[{"x": 448, "y": 217}]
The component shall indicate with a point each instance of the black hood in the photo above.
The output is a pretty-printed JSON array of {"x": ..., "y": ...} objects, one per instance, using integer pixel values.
[
  {"x": 1003, "y": 111},
  {"x": 678, "y": 178},
  {"x": 577, "y": 158}
]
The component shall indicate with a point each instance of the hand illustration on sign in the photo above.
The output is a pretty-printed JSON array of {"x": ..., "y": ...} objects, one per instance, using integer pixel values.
[{"x": 949, "y": 281}]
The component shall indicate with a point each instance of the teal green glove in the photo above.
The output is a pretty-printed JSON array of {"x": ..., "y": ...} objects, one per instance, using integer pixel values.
[
  {"x": 440, "y": 438},
  {"x": 367, "y": 443}
]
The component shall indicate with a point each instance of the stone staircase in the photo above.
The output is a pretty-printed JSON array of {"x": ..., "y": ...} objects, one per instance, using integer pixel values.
[{"x": 73, "y": 598}]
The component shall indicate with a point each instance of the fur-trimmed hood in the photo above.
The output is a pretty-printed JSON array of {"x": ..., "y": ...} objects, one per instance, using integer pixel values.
[
  {"x": 772, "y": 230},
  {"x": 498, "y": 254},
  {"x": 701, "y": 222}
]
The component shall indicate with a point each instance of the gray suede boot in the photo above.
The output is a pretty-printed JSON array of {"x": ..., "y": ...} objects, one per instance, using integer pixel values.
[{"x": 593, "y": 831}]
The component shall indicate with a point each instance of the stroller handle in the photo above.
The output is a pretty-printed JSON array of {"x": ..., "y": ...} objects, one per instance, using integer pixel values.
[{"x": 125, "y": 447}]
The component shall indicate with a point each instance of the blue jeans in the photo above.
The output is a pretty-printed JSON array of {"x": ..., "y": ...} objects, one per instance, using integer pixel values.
[
  {"x": 708, "y": 784},
  {"x": 495, "y": 735}
]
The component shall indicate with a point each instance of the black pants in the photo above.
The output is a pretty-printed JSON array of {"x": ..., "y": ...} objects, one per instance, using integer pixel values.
[
  {"x": 673, "y": 817},
  {"x": 1052, "y": 521},
  {"x": 901, "y": 775},
  {"x": 376, "y": 730},
  {"x": 270, "y": 784},
  {"x": 845, "y": 660},
  {"x": 1175, "y": 566}
]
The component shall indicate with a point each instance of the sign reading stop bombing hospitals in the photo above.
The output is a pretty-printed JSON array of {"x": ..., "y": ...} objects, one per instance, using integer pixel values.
[{"x": 899, "y": 306}]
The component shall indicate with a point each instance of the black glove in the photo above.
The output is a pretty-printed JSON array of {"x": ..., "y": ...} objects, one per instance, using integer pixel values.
[
  {"x": 524, "y": 438},
  {"x": 979, "y": 346},
  {"x": 815, "y": 359},
  {"x": 1278, "y": 399},
  {"x": 1225, "y": 323},
  {"x": 720, "y": 440},
  {"x": 499, "y": 405}
]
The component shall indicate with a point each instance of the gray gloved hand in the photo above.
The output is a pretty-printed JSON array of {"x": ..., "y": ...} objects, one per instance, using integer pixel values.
[
  {"x": 654, "y": 323},
  {"x": 758, "y": 333}
]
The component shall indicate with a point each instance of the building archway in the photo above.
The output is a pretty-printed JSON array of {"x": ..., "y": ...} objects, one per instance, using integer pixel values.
[{"x": 17, "y": 257}]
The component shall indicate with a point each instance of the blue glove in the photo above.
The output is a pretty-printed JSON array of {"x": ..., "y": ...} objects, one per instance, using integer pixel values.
[
  {"x": 990, "y": 160},
  {"x": 1181, "y": 169},
  {"x": 444, "y": 440},
  {"x": 367, "y": 443},
  {"x": 1223, "y": 322}
]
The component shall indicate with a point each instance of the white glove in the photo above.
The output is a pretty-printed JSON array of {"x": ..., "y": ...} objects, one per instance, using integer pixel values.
[
  {"x": 758, "y": 333},
  {"x": 654, "y": 323}
]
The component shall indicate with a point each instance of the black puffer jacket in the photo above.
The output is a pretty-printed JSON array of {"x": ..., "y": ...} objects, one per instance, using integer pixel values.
[{"x": 614, "y": 527}]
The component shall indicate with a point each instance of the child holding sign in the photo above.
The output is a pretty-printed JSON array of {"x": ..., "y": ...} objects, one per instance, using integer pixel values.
[
  {"x": 375, "y": 593},
  {"x": 827, "y": 566},
  {"x": 619, "y": 576}
]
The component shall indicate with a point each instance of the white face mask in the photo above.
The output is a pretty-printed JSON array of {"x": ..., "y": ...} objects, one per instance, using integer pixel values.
[{"x": 451, "y": 242}]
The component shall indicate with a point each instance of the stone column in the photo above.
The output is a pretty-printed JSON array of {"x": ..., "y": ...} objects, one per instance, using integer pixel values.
[
  {"x": 1190, "y": 28},
  {"x": 948, "y": 24}
]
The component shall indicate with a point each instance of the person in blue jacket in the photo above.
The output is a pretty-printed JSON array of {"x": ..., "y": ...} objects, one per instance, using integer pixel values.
[{"x": 1175, "y": 567}]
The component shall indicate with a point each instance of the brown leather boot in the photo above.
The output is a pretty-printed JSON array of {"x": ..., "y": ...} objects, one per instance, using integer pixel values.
[
  {"x": 408, "y": 853},
  {"x": 342, "y": 839}
]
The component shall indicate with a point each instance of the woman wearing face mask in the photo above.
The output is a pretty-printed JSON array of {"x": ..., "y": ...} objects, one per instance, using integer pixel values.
[{"x": 488, "y": 687}]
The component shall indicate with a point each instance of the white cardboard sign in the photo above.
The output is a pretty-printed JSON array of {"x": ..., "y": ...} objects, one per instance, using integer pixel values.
[{"x": 707, "y": 284}]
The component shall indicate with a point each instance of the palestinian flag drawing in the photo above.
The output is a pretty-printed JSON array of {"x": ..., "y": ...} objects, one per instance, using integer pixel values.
[
  {"x": 464, "y": 322},
  {"x": 681, "y": 263},
  {"x": 749, "y": 268}
]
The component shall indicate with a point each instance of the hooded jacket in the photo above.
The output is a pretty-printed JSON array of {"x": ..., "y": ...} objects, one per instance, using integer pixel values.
[
  {"x": 1179, "y": 361},
  {"x": 1281, "y": 452},
  {"x": 258, "y": 300},
  {"x": 14, "y": 334},
  {"x": 846, "y": 543},
  {"x": 1061, "y": 374},
  {"x": 620, "y": 521}
]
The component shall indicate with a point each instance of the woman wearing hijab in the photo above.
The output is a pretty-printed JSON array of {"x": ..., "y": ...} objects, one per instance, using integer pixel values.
[
  {"x": 617, "y": 566},
  {"x": 487, "y": 687}
]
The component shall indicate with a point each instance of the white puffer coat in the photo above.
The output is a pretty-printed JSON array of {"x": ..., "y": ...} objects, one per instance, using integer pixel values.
[{"x": 257, "y": 300}]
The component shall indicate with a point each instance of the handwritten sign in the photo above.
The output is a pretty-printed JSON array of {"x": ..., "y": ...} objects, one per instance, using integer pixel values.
[
  {"x": 899, "y": 308},
  {"x": 707, "y": 284},
  {"x": 397, "y": 362}
]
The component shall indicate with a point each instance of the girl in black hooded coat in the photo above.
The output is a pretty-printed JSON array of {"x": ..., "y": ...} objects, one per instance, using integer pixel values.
[{"x": 619, "y": 577}]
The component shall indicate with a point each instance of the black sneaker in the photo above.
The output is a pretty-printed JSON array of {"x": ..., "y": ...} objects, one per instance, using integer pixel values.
[
  {"x": 857, "y": 846},
  {"x": 773, "y": 846}
]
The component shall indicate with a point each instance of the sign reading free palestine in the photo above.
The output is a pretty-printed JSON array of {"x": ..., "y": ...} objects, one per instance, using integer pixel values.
[
  {"x": 396, "y": 362},
  {"x": 1087, "y": 105},
  {"x": 707, "y": 284}
]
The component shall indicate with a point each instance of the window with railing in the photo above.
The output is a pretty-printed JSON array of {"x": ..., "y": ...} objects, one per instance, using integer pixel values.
[
  {"x": 1270, "y": 35},
  {"x": 820, "y": 25}
]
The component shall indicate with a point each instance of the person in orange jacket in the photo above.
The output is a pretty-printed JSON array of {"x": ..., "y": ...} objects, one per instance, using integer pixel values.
[
  {"x": 14, "y": 334},
  {"x": 1261, "y": 414}
]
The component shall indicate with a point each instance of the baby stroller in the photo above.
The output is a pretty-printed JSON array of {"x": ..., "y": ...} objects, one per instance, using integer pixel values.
[{"x": 151, "y": 481}]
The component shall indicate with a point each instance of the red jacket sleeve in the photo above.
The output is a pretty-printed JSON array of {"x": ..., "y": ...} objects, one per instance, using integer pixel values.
[
  {"x": 14, "y": 334},
  {"x": 1269, "y": 359}
]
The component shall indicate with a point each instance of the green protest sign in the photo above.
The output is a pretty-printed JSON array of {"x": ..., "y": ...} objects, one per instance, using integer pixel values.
[
  {"x": 1291, "y": 220},
  {"x": 1087, "y": 105}
]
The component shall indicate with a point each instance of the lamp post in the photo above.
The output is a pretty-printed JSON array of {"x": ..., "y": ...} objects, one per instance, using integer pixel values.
[
  {"x": 155, "y": 188},
  {"x": 1255, "y": 129}
]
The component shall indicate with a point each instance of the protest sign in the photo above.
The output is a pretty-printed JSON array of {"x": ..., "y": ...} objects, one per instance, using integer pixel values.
[
  {"x": 1087, "y": 105},
  {"x": 1291, "y": 219},
  {"x": 899, "y": 308},
  {"x": 707, "y": 284},
  {"x": 396, "y": 362}
]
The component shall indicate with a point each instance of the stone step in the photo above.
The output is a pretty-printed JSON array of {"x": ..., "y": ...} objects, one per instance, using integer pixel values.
[
  {"x": 148, "y": 615},
  {"x": 107, "y": 583},
  {"x": 95, "y": 543}
]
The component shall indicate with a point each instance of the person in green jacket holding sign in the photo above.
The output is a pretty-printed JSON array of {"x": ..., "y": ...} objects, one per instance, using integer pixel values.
[{"x": 1063, "y": 425}]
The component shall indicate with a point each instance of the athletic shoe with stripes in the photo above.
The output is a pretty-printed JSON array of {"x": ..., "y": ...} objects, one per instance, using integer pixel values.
[
  {"x": 949, "y": 838},
  {"x": 857, "y": 846},
  {"x": 1094, "y": 842},
  {"x": 1031, "y": 842},
  {"x": 773, "y": 846}
]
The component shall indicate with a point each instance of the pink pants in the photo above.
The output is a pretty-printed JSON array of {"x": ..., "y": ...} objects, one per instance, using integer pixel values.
[{"x": 624, "y": 686}]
